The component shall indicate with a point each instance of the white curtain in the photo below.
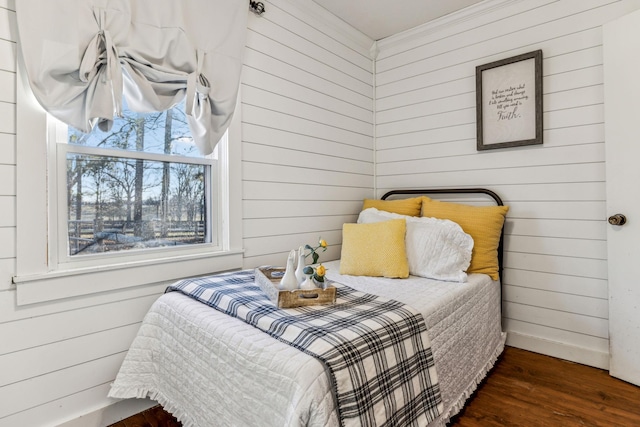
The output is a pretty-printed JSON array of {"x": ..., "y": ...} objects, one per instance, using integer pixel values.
[{"x": 82, "y": 56}]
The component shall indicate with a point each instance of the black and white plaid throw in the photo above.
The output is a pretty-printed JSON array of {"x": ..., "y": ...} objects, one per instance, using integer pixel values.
[{"x": 377, "y": 350}]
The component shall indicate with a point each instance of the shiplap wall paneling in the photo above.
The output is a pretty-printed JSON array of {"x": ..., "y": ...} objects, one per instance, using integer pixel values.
[
  {"x": 7, "y": 145},
  {"x": 307, "y": 112},
  {"x": 55, "y": 356},
  {"x": 556, "y": 270},
  {"x": 8, "y": 149},
  {"x": 308, "y": 162},
  {"x": 58, "y": 359}
]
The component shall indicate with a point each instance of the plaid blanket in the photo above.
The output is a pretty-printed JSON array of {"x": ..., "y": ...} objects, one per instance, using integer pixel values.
[{"x": 376, "y": 350}]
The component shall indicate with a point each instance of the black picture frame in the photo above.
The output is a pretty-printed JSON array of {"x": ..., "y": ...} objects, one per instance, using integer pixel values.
[{"x": 508, "y": 108}]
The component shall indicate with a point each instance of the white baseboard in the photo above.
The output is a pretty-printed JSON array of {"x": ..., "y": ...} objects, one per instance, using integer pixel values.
[
  {"x": 111, "y": 414},
  {"x": 584, "y": 356}
]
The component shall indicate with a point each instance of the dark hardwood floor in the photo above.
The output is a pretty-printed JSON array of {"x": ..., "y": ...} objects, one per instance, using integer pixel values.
[
  {"x": 153, "y": 417},
  {"x": 529, "y": 389},
  {"x": 524, "y": 389}
]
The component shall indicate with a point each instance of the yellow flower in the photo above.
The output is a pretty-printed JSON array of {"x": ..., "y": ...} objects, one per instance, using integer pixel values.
[
  {"x": 322, "y": 244},
  {"x": 320, "y": 270}
]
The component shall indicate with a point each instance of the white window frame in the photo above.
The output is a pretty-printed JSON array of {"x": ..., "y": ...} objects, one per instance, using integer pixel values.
[
  {"x": 58, "y": 205},
  {"x": 42, "y": 277}
]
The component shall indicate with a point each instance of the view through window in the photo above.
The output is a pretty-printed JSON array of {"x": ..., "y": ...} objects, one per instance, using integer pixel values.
[{"x": 141, "y": 185}]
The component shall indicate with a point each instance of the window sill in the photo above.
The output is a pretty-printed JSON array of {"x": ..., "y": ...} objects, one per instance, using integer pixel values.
[{"x": 55, "y": 285}]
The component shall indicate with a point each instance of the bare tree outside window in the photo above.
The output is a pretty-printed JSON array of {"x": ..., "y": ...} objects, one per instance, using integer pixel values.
[{"x": 136, "y": 187}]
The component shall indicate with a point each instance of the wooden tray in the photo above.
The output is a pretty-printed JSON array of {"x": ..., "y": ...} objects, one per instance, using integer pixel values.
[{"x": 290, "y": 299}]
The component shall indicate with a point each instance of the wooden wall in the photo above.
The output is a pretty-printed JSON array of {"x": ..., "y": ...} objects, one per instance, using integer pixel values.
[
  {"x": 307, "y": 107},
  {"x": 555, "y": 294},
  {"x": 7, "y": 143},
  {"x": 56, "y": 360},
  {"x": 307, "y": 113}
]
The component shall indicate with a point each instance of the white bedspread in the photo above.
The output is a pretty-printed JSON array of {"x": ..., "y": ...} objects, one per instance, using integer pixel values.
[{"x": 209, "y": 369}]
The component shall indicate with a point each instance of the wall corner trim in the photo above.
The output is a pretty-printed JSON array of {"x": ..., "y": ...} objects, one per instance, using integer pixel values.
[
  {"x": 374, "y": 50},
  {"x": 436, "y": 25}
]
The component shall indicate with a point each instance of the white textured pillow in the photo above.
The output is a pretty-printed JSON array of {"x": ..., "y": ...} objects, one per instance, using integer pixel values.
[{"x": 436, "y": 248}]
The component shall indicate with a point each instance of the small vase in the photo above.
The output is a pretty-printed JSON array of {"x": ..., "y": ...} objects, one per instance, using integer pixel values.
[
  {"x": 319, "y": 283},
  {"x": 300, "y": 270},
  {"x": 308, "y": 283},
  {"x": 289, "y": 281}
]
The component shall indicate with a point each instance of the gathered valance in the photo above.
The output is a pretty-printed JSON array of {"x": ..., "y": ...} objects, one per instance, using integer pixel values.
[{"x": 82, "y": 56}]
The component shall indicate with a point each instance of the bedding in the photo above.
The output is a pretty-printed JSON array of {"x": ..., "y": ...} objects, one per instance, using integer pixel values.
[
  {"x": 483, "y": 223},
  {"x": 375, "y": 350},
  {"x": 375, "y": 249},
  {"x": 436, "y": 248},
  {"x": 411, "y": 206},
  {"x": 208, "y": 368}
]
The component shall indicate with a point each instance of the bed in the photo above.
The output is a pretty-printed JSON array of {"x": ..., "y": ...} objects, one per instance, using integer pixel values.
[{"x": 211, "y": 369}]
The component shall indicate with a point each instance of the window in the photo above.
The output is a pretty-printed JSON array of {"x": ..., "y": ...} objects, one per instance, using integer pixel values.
[
  {"x": 133, "y": 206},
  {"x": 140, "y": 186}
]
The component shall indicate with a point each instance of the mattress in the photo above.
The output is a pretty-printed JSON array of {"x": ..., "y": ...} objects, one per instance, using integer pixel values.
[{"x": 209, "y": 369}]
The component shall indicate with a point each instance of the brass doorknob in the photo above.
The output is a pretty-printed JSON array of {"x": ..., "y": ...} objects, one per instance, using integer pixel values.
[{"x": 617, "y": 219}]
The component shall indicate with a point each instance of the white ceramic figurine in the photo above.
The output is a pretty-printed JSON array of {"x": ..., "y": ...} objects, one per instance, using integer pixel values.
[
  {"x": 289, "y": 281},
  {"x": 300, "y": 270}
]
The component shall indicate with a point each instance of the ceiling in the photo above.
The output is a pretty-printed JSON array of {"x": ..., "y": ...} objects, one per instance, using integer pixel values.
[{"x": 382, "y": 18}]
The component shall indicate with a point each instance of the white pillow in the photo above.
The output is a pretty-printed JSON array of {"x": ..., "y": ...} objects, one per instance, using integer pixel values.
[{"x": 436, "y": 248}]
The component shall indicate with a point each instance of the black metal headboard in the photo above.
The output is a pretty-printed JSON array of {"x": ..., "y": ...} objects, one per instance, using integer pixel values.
[{"x": 490, "y": 193}]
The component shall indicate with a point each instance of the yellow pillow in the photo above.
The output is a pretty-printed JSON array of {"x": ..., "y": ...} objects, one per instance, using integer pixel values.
[
  {"x": 483, "y": 223},
  {"x": 375, "y": 249},
  {"x": 409, "y": 207}
]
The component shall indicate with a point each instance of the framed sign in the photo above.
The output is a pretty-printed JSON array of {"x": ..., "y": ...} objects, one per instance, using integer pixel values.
[{"x": 509, "y": 102}]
